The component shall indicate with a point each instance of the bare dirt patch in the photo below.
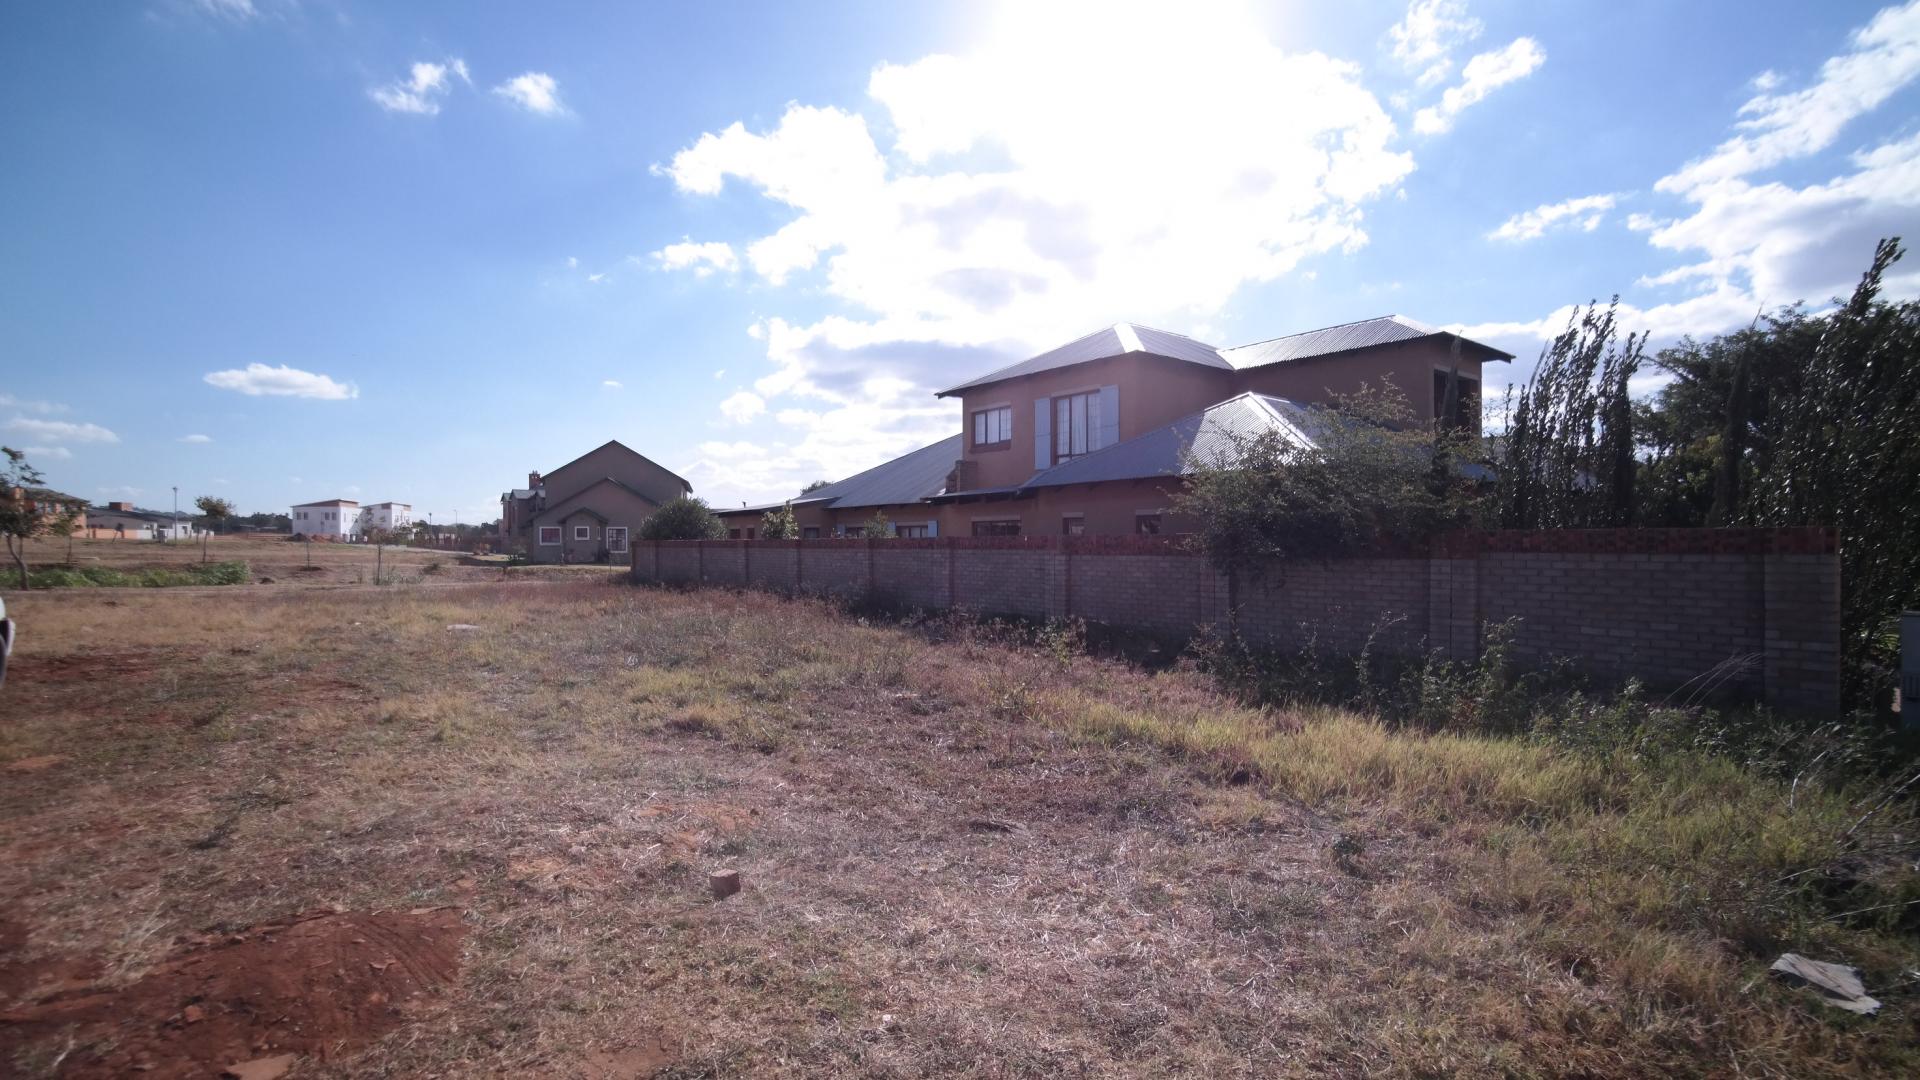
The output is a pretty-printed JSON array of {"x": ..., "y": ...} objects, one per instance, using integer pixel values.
[{"x": 321, "y": 984}]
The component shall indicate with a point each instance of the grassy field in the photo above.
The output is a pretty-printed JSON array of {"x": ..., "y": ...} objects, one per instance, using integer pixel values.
[
  {"x": 271, "y": 561},
  {"x": 254, "y": 822}
]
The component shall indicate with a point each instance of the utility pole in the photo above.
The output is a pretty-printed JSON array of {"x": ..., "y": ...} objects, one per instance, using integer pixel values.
[{"x": 175, "y": 526}]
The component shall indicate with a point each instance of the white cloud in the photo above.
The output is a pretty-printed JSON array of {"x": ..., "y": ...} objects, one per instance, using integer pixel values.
[
  {"x": 573, "y": 263},
  {"x": 596, "y": 278},
  {"x": 259, "y": 380},
  {"x": 1584, "y": 213},
  {"x": 1483, "y": 75},
  {"x": 720, "y": 373},
  {"x": 703, "y": 259},
  {"x": 42, "y": 407},
  {"x": 239, "y": 10},
  {"x": 611, "y": 384},
  {"x": 61, "y": 431},
  {"x": 743, "y": 406},
  {"x": 1424, "y": 40},
  {"x": 1021, "y": 195},
  {"x": 55, "y": 453},
  {"x": 535, "y": 92},
  {"x": 1780, "y": 127},
  {"x": 196, "y": 438},
  {"x": 420, "y": 92},
  {"x": 1749, "y": 244}
]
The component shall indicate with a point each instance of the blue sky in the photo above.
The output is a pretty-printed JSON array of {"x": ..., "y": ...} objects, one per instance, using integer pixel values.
[{"x": 285, "y": 250}]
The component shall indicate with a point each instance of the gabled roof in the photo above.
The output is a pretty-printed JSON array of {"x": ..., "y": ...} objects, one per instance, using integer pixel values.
[
  {"x": 906, "y": 479},
  {"x": 1116, "y": 340},
  {"x": 635, "y": 453},
  {"x": 550, "y": 511},
  {"x": 1207, "y": 435},
  {"x": 1365, "y": 334}
]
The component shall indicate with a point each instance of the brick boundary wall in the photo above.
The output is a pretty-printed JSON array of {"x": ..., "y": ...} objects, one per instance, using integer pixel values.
[{"x": 1662, "y": 605}]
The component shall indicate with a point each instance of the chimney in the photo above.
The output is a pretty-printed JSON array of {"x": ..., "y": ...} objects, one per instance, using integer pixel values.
[
  {"x": 124, "y": 507},
  {"x": 533, "y": 480}
]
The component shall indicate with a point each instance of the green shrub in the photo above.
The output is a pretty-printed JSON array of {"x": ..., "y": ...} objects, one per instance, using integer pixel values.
[
  {"x": 685, "y": 518},
  {"x": 100, "y": 577}
]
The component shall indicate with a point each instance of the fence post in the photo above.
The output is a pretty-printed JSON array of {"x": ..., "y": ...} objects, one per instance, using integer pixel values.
[{"x": 953, "y": 597}]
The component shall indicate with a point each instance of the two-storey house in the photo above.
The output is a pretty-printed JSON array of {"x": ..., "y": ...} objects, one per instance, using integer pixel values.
[
  {"x": 588, "y": 509},
  {"x": 1092, "y": 437}
]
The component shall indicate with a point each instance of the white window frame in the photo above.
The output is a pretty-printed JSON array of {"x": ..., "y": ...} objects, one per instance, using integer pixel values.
[
  {"x": 993, "y": 420},
  {"x": 1076, "y": 414},
  {"x": 616, "y": 537},
  {"x": 582, "y": 532},
  {"x": 557, "y": 534}
]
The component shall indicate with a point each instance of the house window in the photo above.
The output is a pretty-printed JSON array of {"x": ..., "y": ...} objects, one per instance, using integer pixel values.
[
  {"x": 733, "y": 534},
  {"x": 1466, "y": 407},
  {"x": 549, "y": 535},
  {"x": 997, "y": 528},
  {"x": 810, "y": 532},
  {"x": 1073, "y": 525},
  {"x": 583, "y": 532},
  {"x": 750, "y": 533},
  {"x": 911, "y": 532},
  {"x": 1076, "y": 425},
  {"x": 616, "y": 538},
  {"x": 993, "y": 428},
  {"x": 1146, "y": 524}
]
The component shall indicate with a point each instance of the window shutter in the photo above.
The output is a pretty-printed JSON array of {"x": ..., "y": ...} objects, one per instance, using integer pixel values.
[
  {"x": 1109, "y": 417},
  {"x": 1042, "y": 432}
]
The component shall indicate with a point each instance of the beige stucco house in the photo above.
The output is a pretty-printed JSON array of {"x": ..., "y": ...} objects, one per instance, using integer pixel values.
[
  {"x": 587, "y": 510},
  {"x": 1092, "y": 438}
]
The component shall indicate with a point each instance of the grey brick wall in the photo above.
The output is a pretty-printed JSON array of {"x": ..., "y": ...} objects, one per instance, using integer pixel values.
[{"x": 1665, "y": 606}]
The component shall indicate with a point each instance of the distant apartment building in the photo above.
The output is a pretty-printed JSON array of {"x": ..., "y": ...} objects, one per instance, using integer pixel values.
[
  {"x": 389, "y": 516},
  {"x": 329, "y": 519}
]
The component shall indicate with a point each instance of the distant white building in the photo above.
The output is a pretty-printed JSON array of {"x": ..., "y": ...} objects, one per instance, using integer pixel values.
[
  {"x": 333, "y": 518},
  {"x": 383, "y": 515}
]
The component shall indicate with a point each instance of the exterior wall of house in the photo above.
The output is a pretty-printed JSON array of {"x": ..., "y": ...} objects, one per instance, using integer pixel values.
[
  {"x": 1153, "y": 391},
  {"x": 616, "y": 507},
  {"x": 1661, "y": 605},
  {"x": 338, "y": 522},
  {"x": 1409, "y": 366},
  {"x": 383, "y": 516}
]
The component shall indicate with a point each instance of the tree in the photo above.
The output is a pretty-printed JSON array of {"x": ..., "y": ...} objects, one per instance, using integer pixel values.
[
  {"x": 877, "y": 527},
  {"x": 813, "y": 487},
  {"x": 215, "y": 510},
  {"x": 1363, "y": 479},
  {"x": 684, "y": 518},
  {"x": 1567, "y": 460},
  {"x": 23, "y": 516},
  {"x": 779, "y": 524}
]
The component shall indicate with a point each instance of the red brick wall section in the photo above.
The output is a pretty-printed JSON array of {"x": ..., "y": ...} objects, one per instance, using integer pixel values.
[{"x": 1758, "y": 607}]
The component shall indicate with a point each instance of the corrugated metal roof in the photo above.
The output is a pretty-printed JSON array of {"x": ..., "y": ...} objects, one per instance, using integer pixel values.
[
  {"x": 906, "y": 479},
  {"x": 1116, "y": 340},
  {"x": 1208, "y": 435},
  {"x": 1365, "y": 334}
]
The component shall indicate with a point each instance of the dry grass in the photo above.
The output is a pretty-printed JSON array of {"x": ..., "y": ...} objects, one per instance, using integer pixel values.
[
  {"x": 962, "y": 856},
  {"x": 283, "y": 563}
]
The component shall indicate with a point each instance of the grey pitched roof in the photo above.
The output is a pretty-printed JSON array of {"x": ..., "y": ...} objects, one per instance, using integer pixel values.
[
  {"x": 1365, "y": 334},
  {"x": 906, "y": 479},
  {"x": 1208, "y": 435},
  {"x": 1116, "y": 340}
]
